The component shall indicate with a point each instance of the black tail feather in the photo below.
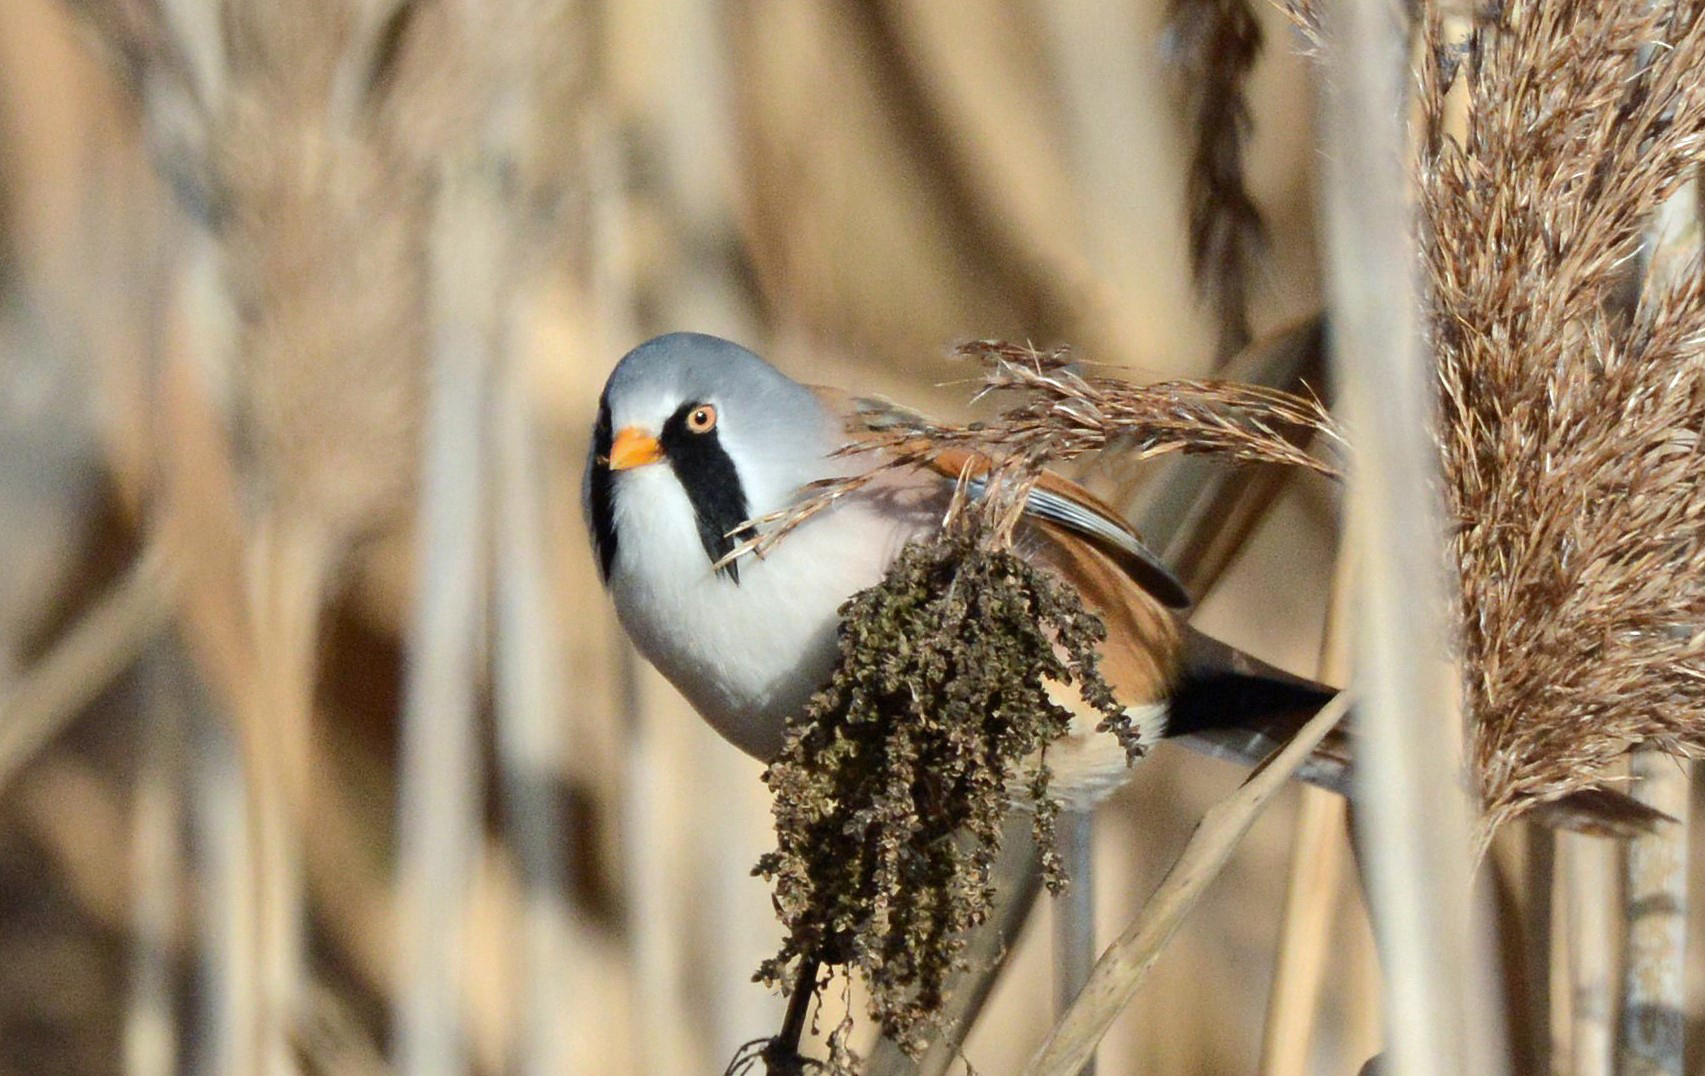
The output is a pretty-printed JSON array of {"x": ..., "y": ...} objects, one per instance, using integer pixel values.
[
  {"x": 1231, "y": 705},
  {"x": 1222, "y": 687}
]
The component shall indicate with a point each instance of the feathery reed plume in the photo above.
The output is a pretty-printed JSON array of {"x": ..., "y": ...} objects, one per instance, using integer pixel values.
[
  {"x": 1059, "y": 414},
  {"x": 1215, "y": 44},
  {"x": 1651, "y": 1037},
  {"x": 1304, "y": 16},
  {"x": 1569, "y": 425}
]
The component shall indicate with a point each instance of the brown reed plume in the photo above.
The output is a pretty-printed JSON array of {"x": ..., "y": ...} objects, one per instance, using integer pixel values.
[
  {"x": 1215, "y": 44},
  {"x": 1571, "y": 417},
  {"x": 1304, "y": 16},
  {"x": 1058, "y": 414}
]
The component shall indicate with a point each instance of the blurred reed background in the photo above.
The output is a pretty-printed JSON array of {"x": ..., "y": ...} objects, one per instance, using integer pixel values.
[{"x": 304, "y": 310}]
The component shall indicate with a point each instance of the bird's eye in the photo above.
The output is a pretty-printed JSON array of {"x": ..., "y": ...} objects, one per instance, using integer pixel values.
[{"x": 702, "y": 419}]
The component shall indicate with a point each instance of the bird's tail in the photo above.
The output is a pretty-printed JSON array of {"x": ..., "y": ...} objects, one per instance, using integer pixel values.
[{"x": 1231, "y": 705}]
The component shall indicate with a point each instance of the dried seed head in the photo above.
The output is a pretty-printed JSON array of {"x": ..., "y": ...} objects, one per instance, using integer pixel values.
[{"x": 891, "y": 789}]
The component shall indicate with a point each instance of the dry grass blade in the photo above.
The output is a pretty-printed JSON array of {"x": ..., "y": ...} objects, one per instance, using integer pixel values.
[
  {"x": 1121, "y": 969},
  {"x": 106, "y": 641},
  {"x": 1215, "y": 44}
]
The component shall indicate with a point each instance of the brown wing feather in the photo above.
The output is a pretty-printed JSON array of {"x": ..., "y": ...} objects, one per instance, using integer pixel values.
[{"x": 1144, "y": 638}]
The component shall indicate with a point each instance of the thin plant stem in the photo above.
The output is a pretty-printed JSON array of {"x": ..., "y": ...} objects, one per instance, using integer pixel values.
[
  {"x": 1413, "y": 818},
  {"x": 529, "y": 644},
  {"x": 1651, "y": 1039},
  {"x": 1316, "y": 872},
  {"x": 106, "y": 641},
  {"x": 1074, "y": 912},
  {"x": 1125, "y": 964},
  {"x": 150, "y": 1027},
  {"x": 440, "y": 810},
  {"x": 225, "y": 878},
  {"x": 1589, "y": 871}
]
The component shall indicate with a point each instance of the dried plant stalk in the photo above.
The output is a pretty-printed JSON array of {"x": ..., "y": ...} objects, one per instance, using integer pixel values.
[
  {"x": 1215, "y": 44},
  {"x": 1589, "y": 873},
  {"x": 529, "y": 710},
  {"x": 106, "y": 641},
  {"x": 1121, "y": 969},
  {"x": 1074, "y": 912},
  {"x": 219, "y": 808},
  {"x": 1412, "y": 824},
  {"x": 151, "y": 1027},
  {"x": 439, "y": 794},
  {"x": 1316, "y": 869},
  {"x": 1311, "y": 899},
  {"x": 1651, "y": 1040}
]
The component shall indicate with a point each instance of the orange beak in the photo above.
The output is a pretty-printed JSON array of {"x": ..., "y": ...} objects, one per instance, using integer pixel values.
[{"x": 633, "y": 447}]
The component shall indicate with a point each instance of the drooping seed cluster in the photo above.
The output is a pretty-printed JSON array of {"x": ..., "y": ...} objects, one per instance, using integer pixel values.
[{"x": 892, "y": 787}]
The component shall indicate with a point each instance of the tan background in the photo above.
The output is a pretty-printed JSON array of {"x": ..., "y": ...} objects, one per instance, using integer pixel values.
[{"x": 848, "y": 188}]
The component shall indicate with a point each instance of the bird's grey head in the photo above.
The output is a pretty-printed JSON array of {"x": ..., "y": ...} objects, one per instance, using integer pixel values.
[{"x": 738, "y": 435}]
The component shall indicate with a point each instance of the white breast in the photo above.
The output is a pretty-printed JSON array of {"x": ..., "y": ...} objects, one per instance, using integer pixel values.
[{"x": 749, "y": 654}]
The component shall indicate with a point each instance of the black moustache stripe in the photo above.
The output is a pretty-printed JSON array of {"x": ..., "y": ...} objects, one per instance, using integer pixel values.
[
  {"x": 712, "y": 484},
  {"x": 603, "y": 513}
]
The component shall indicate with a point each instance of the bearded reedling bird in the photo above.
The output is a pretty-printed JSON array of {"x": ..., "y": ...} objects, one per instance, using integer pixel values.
[{"x": 696, "y": 435}]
